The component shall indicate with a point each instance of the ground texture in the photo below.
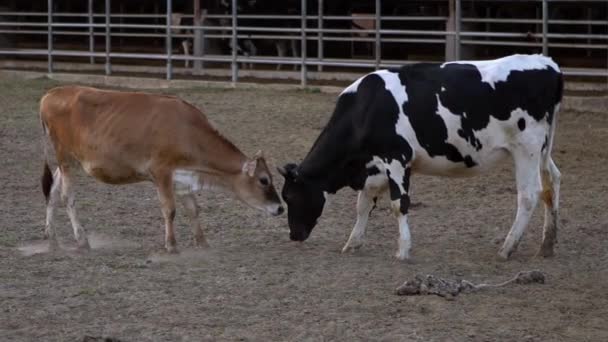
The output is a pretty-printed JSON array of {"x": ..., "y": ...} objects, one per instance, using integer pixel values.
[{"x": 254, "y": 284}]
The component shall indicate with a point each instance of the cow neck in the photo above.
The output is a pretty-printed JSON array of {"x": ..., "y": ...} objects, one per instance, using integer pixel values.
[
  {"x": 218, "y": 180},
  {"x": 219, "y": 168},
  {"x": 326, "y": 162},
  {"x": 224, "y": 158}
]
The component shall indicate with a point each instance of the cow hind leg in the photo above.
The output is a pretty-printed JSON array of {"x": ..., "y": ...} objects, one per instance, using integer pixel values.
[
  {"x": 280, "y": 46},
  {"x": 51, "y": 206},
  {"x": 186, "y": 48},
  {"x": 192, "y": 210},
  {"x": 166, "y": 197},
  {"x": 67, "y": 192},
  {"x": 527, "y": 174},
  {"x": 399, "y": 180},
  {"x": 365, "y": 204},
  {"x": 294, "y": 51},
  {"x": 550, "y": 177}
]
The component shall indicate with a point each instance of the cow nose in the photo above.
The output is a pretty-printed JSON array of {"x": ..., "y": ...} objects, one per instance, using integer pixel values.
[
  {"x": 281, "y": 210},
  {"x": 295, "y": 237}
]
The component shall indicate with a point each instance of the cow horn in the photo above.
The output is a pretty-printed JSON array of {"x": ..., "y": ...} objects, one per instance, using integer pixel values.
[{"x": 282, "y": 171}]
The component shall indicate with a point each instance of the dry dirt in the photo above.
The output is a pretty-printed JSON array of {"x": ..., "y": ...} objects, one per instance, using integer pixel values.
[{"x": 254, "y": 284}]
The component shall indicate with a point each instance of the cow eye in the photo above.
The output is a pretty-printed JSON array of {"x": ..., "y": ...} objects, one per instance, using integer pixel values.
[{"x": 264, "y": 181}]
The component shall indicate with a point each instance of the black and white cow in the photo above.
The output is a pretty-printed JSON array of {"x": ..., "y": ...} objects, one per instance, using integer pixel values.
[
  {"x": 453, "y": 119},
  {"x": 253, "y": 47}
]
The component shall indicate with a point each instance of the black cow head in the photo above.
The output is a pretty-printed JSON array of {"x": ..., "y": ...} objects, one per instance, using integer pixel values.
[{"x": 305, "y": 201}]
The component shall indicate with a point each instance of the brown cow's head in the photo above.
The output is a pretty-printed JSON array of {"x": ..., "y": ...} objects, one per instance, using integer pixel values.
[{"x": 254, "y": 186}]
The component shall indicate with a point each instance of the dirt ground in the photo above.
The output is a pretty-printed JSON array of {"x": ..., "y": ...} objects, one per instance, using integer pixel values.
[{"x": 254, "y": 284}]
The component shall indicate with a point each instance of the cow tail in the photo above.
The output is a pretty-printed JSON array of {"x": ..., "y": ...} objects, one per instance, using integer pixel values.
[
  {"x": 553, "y": 122},
  {"x": 47, "y": 181},
  {"x": 47, "y": 176}
]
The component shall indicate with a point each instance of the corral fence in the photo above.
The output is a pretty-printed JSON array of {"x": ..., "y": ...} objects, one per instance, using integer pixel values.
[{"x": 193, "y": 41}]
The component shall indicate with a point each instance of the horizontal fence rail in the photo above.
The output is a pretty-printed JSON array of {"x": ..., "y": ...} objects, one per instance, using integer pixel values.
[{"x": 457, "y": 33}]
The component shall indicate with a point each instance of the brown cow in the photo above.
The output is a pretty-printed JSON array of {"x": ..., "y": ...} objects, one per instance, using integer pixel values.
[{"x": 128, "y": 137}]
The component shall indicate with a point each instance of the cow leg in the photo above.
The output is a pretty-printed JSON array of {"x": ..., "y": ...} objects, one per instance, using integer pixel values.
[
  {"x": 527, "y": 174},
  {"x": 294, "y": 51},
  {"x": 280, "y": 45},
  {"x": 186, "y": 49},
  {"x": 398, "y": 182},
  {"x": 248, "y": 49},
  {"x": 166, "y": 196},
  {"x": 51, "y": 206},
  {"x": 365, "y": 204},
  {"x": 550, "y": 177},
  {"x": 192, "y": 210},
  {"x": 68, "y": 195}
]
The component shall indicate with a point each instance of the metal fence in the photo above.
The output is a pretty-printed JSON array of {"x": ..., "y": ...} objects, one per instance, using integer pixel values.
[{"x": 454, "y": 32}]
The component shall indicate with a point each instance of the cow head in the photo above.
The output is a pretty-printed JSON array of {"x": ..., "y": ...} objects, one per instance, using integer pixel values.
[
  {"x": 254, "y": 186},
  {"x": 305, "y": 200}
]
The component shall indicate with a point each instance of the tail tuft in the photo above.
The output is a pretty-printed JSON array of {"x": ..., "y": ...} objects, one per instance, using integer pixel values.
[{"x": 47, "y": 181}]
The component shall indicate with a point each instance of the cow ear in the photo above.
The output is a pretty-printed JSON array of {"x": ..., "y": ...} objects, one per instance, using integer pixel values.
[
  {"x": 282, "y": 171},
  {"x": 289, "y": 171},
  {"x": 249, "y": 167}
]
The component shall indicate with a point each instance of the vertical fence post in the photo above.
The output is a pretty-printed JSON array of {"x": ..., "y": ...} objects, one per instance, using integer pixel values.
[
  {"x": 121, "y": 20},
  {"x": 320, "y": 34},
  {"x": 234, "y": 45},
  {"x": 169, "y": 40},
  {"x": 457, "y": 31},
  {"x": 545, "y": 27},
  {"x": 91, "y": 35},
  {"x": 451, "y": 27},
  {"x": 377, "y": 40},
  {"x": 198, "y": 43},
  {"x": 108, "y": 38},
  {"x": 49, "y": 39},
  {"x": 589, "y": 28},
  {"x": 303, "y": 71}
]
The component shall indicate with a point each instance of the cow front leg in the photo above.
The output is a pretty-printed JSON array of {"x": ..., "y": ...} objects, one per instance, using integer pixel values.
[
  {"x": 399, "y": 181},
  {"x": 365, "y": 204},
  {"x": 405, "y": 240},
  {"x": 166, "y": 196},
  {"x": 192, "y": 210}
]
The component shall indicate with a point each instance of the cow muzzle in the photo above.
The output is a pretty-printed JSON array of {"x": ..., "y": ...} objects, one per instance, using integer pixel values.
[
  {"x": 299, "y": 235},
  {"x": 275, "y": 210}
]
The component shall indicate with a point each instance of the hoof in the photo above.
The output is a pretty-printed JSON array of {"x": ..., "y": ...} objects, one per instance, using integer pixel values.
[
  {"x": 201, "y": 244},
  {"x": 545, "y": 252},
  {"x": 171, "y": 249},
  {"x": 53, "y": 245},
  {"x": 83, "y": 245},
  {"x": 350, "y": 247},
  {"x": 503, "y": 255},
  {"x": 200, "y": 241},
  {"x": 401, "y": 256}
]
